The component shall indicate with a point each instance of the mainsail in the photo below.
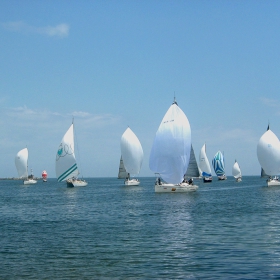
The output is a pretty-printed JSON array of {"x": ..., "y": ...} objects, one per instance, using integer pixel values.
[
  {"x": 66, "y": 166},
  {"x": 204, "y": 164},
  {"x": 192, "y": 171},
  {"x": 122, "y": 172},
  {"x": 170, "y": 153}
]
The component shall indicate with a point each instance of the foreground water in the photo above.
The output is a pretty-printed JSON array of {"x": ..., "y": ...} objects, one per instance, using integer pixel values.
[{"x": 225, "y": 230}]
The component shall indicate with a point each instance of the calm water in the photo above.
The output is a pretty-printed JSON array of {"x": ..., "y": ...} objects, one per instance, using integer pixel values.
[{"x": 226, "y": 230}]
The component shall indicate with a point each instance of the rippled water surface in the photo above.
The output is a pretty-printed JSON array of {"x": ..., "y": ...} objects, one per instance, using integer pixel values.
[{"x": 225, "y": 230}]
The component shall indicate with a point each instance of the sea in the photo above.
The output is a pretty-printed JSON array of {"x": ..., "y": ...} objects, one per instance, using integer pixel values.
[{"x": 224, "y": 230}]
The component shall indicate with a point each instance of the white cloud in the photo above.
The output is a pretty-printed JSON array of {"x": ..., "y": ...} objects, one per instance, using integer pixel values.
[
  {"x": 270, "y": 102},
  {"x": 60, "y": 30}
]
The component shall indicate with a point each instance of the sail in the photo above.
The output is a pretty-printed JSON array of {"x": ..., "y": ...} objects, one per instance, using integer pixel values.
[
  {"x": 218, "y": 164},
  {"x": 44, "y": 174},
  {"x": 170, "y": 153},
  {"x": 263, "y": 174},
  {"x": 236, "y": 172},
  {"x": 122, "y": 172},
  {"x": 268, "y": 152},
  {"x": 204, "y": 164},
  {"x": 66, "y": 166},
  {"x": 192, "y": 170},
  {"x": 21, "y": 163},
  {"x": 132, "y": 152}
]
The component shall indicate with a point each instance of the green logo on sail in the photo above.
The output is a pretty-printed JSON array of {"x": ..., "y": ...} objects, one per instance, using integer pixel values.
[{"x": 59, "y": 152}]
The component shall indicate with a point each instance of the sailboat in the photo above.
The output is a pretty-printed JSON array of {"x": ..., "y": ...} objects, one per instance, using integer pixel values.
[
  {"x": 21, "y": 161},
  {"x": 236, "y": 172},
  {"x": 132, "y": 155},
  {"x": 66, "y": 165},
  {"x": 44, "y": 176},
  {"x": 204, "y": 165},
  {"x": 170, "y": 153},
  {"x": 122, "y": 172},
  {"x": 219, "y": 165},
  {"x": 268, "y": 152},
  {"x": 192, "y": 171}
]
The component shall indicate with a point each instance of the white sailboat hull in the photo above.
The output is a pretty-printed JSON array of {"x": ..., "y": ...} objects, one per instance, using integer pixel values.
[
  {"x": 273, "y": 182},
  {"x": 132, "y": 182},
  {"x": 239, "y": 179},
  {"x": 76, "y": 183},
  {"x": 223, "y": 177},
  {"x": 29, "y": 182},
  {"x": 184, "y": 187}
]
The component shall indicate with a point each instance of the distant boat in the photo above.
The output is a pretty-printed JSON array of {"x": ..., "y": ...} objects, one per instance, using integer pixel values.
[
  {"x": 219, "y": 165},
  {"x": 268, "y": 152},
  {"x": 236, "y": 172},
  {"x": 132, "y": 155},
  {"x": 192, "y": 171},
  {"x": 122, "y": 172},
  {"x": 204, "y": 165},
  {"x": 66, "y": 165},
  {"x": 21, "y": 161},
  {"x": 44, "y": 176},
  {"x": 170, "y": 152}
]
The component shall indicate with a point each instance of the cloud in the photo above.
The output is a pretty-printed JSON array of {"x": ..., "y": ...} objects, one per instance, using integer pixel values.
[
  {"x": 270, "y": 102},
  {"x": 60, "y": 30},
  {"x": 26, "y": 117}
]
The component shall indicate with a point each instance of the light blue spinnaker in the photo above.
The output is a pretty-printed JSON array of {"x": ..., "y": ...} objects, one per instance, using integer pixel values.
[{"x": 219, "y": 164}]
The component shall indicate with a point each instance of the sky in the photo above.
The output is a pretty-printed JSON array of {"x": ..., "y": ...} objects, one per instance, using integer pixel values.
[{"x": 114, "y": 64}]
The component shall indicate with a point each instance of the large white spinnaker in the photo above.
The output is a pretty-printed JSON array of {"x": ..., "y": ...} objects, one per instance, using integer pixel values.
[
  {"x": 132, "y": 152},
  {"x": 268, "y": 152},
  {"x": 21, "y": 163},
  {"x": 170, "y": 153},
  {"x": 66, "y": 166}
]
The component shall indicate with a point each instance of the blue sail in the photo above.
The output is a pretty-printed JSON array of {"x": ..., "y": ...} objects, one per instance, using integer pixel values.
[{"x": 219, "y": 164}]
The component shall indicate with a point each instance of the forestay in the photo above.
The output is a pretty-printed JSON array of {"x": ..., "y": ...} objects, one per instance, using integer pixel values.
[{"x": 170, "y": 152}]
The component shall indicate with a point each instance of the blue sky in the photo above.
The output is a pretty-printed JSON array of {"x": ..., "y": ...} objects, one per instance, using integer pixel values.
[{"x": 111, "y": 64}]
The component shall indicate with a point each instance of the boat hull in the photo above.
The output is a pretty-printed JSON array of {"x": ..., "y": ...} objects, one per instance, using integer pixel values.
[
  {"x": 132, "y": 182},
  {"x": 30, "y": 182},
  {"x": 175, "y": 188},
  {"x": 76, "y": 183},
  {"x": 221, "y": 178},
  {"x": 207, "y": 179},
  {"x": 273, "y": 182},
  {"x": 238, "y": 179}
]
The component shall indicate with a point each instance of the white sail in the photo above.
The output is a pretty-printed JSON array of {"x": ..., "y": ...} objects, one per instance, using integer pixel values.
[
  {"x": 204, "y": 164},
  {"x": 66, "y": 166},
  {"x": 21, "y": 163},
  {"x": 132, "y": 152},
  {"x": 236, "y": 171},
  {"x": 171, "y": 148},
  {"x": 268, "y": 152}
]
